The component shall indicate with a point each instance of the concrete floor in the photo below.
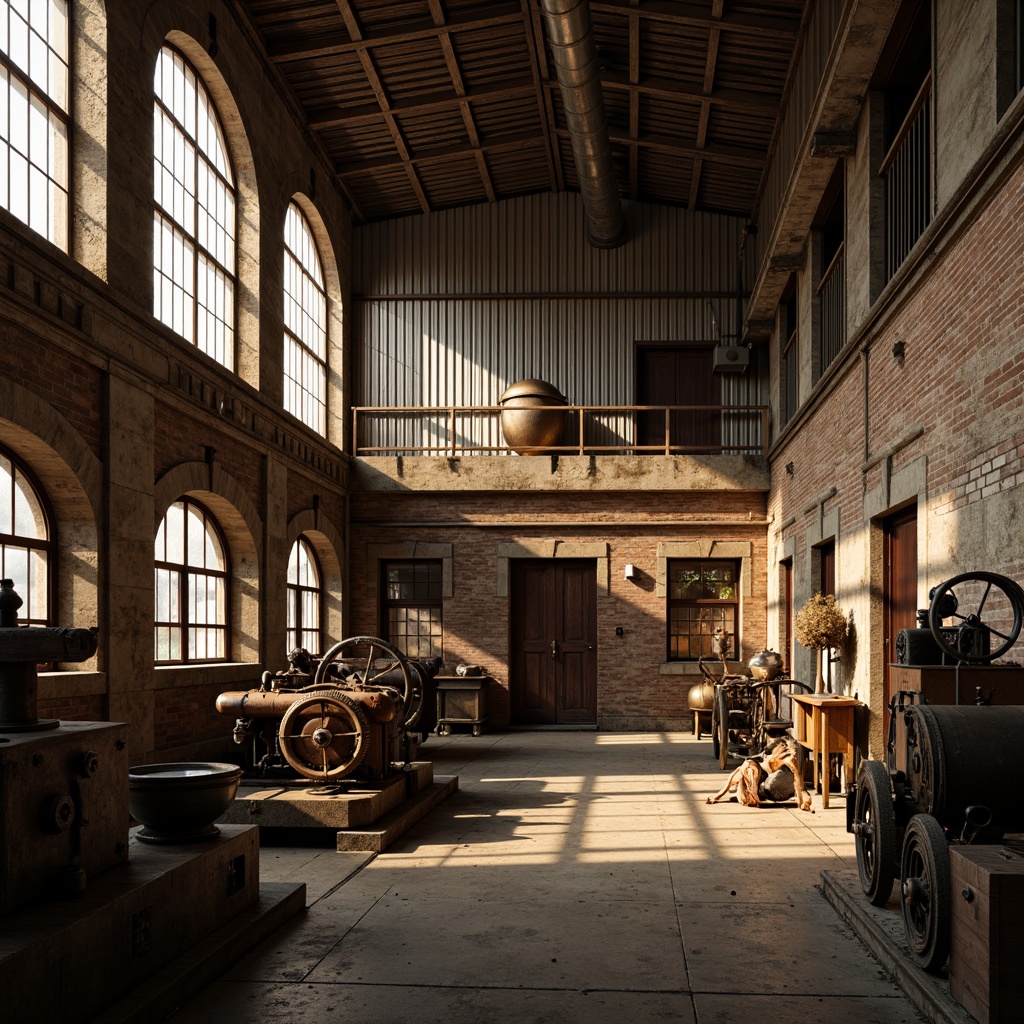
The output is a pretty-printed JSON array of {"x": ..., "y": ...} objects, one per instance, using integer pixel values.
[{"x": 573, "y": 877}]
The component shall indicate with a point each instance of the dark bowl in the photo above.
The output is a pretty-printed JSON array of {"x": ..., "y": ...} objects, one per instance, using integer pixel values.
[{"x": 179, "y": 802}]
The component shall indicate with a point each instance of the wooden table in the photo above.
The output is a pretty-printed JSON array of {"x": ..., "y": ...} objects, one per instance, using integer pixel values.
[{"x": 823, "y": 723}]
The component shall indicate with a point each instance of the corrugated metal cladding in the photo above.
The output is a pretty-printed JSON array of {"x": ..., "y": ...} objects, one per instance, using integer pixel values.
[
  {"x": 817, "y": 47},
  {"x": 453, "y": 307}
]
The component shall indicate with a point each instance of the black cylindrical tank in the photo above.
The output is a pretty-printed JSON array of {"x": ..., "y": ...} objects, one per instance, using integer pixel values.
[{"x": 965, "y": 755}]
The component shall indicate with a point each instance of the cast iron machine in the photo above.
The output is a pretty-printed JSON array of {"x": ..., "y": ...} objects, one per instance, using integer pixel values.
[
  {"x": 350, "y": 714},
  {"x": 951, "y": 771}
]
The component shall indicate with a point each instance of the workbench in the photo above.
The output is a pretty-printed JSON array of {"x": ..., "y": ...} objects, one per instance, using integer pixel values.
[{"x": 823, "y": 725}]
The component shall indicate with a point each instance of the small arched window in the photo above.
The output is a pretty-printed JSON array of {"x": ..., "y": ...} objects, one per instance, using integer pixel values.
[
  {"x": 194, "y": 220},
  {"x": 305, "y": 324},
  {"x": 191, "y": 586},
  {"x": 34, "y": 115},
  {"x": 25, "y": 540},
  {"x": 303, "y": 586}
]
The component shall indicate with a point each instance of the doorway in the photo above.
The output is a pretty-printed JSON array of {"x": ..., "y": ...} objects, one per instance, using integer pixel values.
[
  {"x": 553, "y": 641},
  {"x": 899, "y": 590},
  {"x": 678, "y": 374}
]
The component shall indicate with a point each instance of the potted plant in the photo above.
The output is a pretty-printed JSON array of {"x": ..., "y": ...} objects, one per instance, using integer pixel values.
[{"x": 820, "y": 624}]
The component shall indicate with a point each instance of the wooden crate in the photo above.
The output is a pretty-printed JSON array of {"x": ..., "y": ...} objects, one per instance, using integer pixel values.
[
  {"x": 985, "y": 974},
  {"x": 939, "y": 682}
]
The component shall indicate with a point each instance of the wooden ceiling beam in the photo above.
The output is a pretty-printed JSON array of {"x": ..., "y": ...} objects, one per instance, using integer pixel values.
[
  {"x": 545, "y": 105},
  {"x": 370, "y": 69},
  {"x": 672, "y": 12},
  {"x": 452, "y": 63},
  {"x": 714, "y": 36},
  {"x": 634, "y": 100},
  {"x": 513, "y": 143},
  {"x": 328, "y": 44},
  {"x": 747, "y": 157},
  {"x": 666, "y": 88},
  {"x": 434, "y": 103}
]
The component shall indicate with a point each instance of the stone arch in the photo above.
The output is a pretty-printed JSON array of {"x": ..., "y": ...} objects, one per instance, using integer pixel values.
[
  {"x": 243, "y": 530},
  {"x": 180, "y": 26},
  {"x": 327, "y": 542},
  {"x": 71, "y": 476}
]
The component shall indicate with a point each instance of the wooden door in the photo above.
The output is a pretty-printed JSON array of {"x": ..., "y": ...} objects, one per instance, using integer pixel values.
[
  {"x": 553, "y": 638},
  {"x": 899, "y": 588},
  {"x": 678, "y": 375}
]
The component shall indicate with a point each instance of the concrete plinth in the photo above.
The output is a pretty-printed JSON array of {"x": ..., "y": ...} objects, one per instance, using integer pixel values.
[
  {"x": 68, "y": 960},
  {"x": 369, "y": 816}
]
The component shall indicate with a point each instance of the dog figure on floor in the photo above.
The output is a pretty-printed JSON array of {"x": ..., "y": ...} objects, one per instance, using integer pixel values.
[{"x": 773, "y": 775}]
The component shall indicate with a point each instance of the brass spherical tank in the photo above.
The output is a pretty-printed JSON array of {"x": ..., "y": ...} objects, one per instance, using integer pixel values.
[
  {"x": 765, "y": 665},
  {"x": 701, "y": 697},
  {"x": 532, "y": 416}
]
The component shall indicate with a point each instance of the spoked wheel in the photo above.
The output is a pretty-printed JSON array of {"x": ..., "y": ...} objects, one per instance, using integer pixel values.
[
  {"x": 375, "y": 662},
  {"x": 714, "y": 725},
  {"x": 325, "y": 735},
  {"x": 927, "y": 900},
  {"x": 874, "y": 830},
  {"x": 722, "y": 735},
  {"x": 977, "y": 599}
]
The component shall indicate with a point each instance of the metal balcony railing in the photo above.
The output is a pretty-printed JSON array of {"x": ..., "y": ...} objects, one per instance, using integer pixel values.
[
  {"x": 589, "y": 430},
  {"x": 832, "y": 297},
  {"x": 907, "y": 173}
]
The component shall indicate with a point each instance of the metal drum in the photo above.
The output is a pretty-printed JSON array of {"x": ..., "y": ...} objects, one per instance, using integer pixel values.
[{"x": 960, "y": 756}]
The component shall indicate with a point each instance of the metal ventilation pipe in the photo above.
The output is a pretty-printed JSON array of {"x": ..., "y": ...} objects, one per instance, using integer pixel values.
[{"x": 571, "y": 36}]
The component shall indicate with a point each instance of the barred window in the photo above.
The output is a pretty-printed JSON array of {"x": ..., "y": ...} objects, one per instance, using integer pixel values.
[
  {"x": 411, "y": 604},
  {"x": 194, "y": 218},
  {"x": 34, "y": 115},
  {"x": 303, "y": 586},
  {"x": 191, "y": 586},
  {"x": 25, "y": 540},
  {"x": 305, "y": 324},
  {"x": 703, "y": 600}
]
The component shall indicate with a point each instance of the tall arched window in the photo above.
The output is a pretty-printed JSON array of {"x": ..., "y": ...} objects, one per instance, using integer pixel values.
[
  {"x": 194, "y": 222},
  {"x": 303, "y": 588},
  {"x": 34, "y": 115},
  {"x": 305, "y": 324},
  {"x": 25, "y": 540},
  {"x": 191, "y": 586}
]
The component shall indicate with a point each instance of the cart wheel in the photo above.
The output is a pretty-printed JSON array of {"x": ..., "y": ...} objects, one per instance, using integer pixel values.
[
  {"x": 874, "y": 828},
  {"x": 444, "y": 730},
  {"x": 927, "y": 900},
  {"x": 722, "y": 703},
  {"x": 714, "y": 725}
]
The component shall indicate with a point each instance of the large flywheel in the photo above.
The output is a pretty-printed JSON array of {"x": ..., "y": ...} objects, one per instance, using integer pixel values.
[
  {"x": 324, "y": 735},
  {"x": 372, "y": 662}
]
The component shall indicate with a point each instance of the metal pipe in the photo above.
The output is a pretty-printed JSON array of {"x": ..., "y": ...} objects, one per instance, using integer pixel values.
[{"x": 571, "y": 38}]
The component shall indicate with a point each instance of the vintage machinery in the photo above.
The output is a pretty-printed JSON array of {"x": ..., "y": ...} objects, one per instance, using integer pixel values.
[
  {"x": 349, "y": 715},
  {"x": 950, "y": 771}
]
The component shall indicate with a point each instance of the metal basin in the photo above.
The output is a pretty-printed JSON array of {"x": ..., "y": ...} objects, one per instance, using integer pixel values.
[{"x": 179, "y": 802}]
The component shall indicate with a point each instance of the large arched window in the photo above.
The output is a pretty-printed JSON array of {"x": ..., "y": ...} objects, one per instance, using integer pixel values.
[
  {"x": 303, "y": 588},
  {"x": 34, "y": 115},
  {"x": 194, "y": 221},
  {"x": 305, "y": 324},
  {"x": 25, "y": 540},
  {"x": 191, "y": 586}
]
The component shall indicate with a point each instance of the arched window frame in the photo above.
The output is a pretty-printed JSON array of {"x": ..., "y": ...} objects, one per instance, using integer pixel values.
[
  {"x": 27, "y": 558},
  {"x": 305, "y": 324},
  {"x": 304, "y": 588},
  {"x": 179, "y": 580},
  {"x": 34, "y": 185},
  {"x": 195, "y": 219}
]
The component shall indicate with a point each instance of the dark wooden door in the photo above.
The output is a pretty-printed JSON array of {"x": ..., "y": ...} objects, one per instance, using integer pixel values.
[
  {"x": 899, "y": 587},
  {"x": 553, "y": 636},
  {"x": 678, "y": 375}
]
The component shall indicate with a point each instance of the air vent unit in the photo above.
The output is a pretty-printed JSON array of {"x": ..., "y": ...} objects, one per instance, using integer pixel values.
[{"x": 731, "y": 358}]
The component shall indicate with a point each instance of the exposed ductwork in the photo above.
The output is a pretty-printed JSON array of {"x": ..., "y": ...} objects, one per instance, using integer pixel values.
[{"x": 571, "y": 37}]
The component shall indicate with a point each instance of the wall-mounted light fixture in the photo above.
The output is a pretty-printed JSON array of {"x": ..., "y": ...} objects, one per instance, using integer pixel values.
[
  {"x": 630, "y": 571},
  {"x": 899, "y": 351}
]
